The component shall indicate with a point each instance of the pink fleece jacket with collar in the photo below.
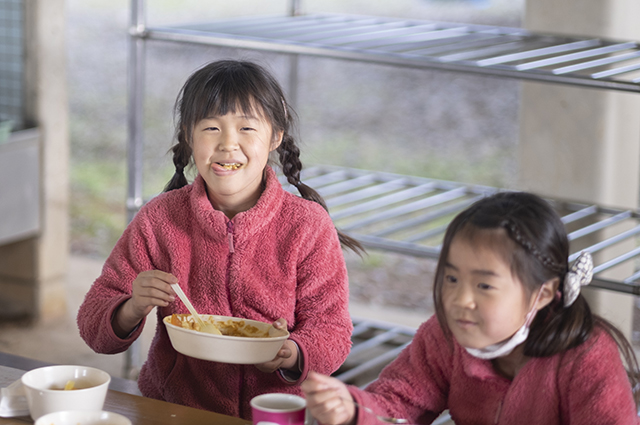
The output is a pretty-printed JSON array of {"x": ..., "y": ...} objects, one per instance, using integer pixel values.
[
  {"x": 281, "y": 258},
  {"x": 586, "y": 385}
]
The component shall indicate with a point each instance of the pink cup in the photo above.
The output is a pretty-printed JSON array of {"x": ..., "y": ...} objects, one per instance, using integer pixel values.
[{"x": 278, "y": 409}]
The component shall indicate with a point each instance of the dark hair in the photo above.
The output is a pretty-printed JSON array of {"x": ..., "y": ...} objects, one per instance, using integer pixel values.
[
  {"x": 226, "y": 86},
  {"x": 533, "y": 239}
]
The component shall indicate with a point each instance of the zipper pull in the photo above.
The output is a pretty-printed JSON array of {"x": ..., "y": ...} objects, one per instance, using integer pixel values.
[{"x": 230, "y": 235}]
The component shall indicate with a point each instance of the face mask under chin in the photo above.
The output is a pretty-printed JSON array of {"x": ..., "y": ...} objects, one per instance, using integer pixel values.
[{"x": 502, "y": 348}]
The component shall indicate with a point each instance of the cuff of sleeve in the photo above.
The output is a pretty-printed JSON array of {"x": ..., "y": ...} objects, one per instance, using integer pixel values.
[
  {"x": 293, "y": 378},
  {"x": 135, "y": 332},
  {"x": 360, "y": 418}
]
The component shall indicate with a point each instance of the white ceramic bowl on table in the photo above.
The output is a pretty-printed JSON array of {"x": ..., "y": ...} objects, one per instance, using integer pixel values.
[
  {"x": 82, "y": 417},
  {"x": 44, "y": 389},
  {"x": 224, "y": 348}
]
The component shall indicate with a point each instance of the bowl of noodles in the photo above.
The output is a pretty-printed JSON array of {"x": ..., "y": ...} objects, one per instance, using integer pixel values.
[{"x": 224, "y": 339}]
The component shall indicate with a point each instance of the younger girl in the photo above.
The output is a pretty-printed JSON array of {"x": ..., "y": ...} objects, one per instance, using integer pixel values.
[
  {"x": 237, "y": 244},
  {"x": 512, "y": 341}
]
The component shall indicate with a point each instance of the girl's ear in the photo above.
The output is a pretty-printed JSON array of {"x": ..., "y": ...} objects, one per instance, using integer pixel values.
[
  {"x": 277, "y": 140},
  {"x": 547, "y": 292}
]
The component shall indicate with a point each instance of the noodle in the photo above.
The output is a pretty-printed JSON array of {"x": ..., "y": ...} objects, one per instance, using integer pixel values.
[{"x": 227, "y": 327}]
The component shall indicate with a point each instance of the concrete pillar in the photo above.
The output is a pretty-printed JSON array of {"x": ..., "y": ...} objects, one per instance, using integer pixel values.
[
  {"x": 33, "y": 271},
  {"x": 584, "y": 144}
]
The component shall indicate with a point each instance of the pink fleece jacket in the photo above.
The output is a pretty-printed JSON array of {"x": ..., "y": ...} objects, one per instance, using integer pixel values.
[
  {"x": 582, "y": 386},
  {"x": 281, "y": 258}
]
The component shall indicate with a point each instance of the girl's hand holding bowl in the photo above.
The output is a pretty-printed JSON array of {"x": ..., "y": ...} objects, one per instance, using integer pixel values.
[{"x": 287, "y": 357}]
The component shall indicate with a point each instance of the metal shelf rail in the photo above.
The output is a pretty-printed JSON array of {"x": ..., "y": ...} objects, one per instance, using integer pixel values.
[
  {"x": 480, "y": 49},
  {"x": 409, "y": 215},
  {"x": 375, "y": 344}
]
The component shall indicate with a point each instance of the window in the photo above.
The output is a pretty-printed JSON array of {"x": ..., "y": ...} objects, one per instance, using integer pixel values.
[{"x": 12, "y": 62}]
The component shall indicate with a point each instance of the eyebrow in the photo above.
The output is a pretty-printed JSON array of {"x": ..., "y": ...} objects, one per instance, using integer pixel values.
[
  {"x": 481, "y": 272},
  {"x": 246, "y": 117}
]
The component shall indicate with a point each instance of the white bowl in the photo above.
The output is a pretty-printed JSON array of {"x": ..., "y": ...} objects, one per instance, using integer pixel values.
[
  {"x": 227, "y": 349},
  {"x": 44, "y": 389},
  {"x": 83, "y": 417}
]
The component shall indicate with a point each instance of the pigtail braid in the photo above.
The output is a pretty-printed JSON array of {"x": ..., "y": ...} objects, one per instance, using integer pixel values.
[
  {"x": 517, "y": 235},
  {"x": 291, "y": 166},
  {"x": 181, "y": 158},
  {"x": 557, "y": 328}
]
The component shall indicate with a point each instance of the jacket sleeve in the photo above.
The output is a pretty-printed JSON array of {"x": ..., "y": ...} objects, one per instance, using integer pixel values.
[
  {"x": 113, "y": 287},
  {"x": 415, "y": 386},
  {"x": 323, "y": 325},
  {"x": 595, "y": 388}
]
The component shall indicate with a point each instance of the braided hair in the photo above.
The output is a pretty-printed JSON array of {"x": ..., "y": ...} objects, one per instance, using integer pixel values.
[
  {"x": 226, "y": 86},
  {"x": 527, "y": 233}
]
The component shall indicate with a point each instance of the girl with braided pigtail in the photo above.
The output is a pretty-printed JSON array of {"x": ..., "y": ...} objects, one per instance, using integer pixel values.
[
  {"x": 237, "y": 243},
  {"x": 512, "y": 342},
  {"x": 289, "y": 156}
]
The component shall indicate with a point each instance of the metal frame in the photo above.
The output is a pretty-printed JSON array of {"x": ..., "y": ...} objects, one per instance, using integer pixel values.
[
  {"x": 402, "y": 213},
  {"x": 409, "y": 215},
  {"x": 370, "y": 338},
  {"x": 479, "y": 49}
]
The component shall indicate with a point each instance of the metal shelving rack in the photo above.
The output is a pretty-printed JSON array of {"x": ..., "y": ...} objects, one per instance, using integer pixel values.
[
  {"x": 409, "y": 215},
  {"x": 403, "y": 213},
  {"x": 479, "y": 49}
]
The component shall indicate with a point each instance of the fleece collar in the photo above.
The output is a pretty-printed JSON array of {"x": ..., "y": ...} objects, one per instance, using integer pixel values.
[
  {"x": 483, "y": 369},
  {"x": 477, "y": 368},
  {"x": 245, "y": 224}
]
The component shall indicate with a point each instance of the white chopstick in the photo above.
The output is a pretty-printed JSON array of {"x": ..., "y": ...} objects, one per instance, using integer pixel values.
[{"x": 185, "y": 300}]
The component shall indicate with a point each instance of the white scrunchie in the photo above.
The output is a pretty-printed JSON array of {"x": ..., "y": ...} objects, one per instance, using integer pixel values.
[{"x": 579, "y": 275}]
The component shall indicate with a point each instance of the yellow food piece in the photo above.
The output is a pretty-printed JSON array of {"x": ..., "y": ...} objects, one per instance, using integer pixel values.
[
  {"x": 69, "y": 385},
  {"x": 231, "y": 166}
]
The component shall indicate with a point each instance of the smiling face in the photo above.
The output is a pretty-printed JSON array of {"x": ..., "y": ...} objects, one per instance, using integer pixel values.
[
  {"x": 484, "y": 302},
  {"x": 231, "y": 152}
]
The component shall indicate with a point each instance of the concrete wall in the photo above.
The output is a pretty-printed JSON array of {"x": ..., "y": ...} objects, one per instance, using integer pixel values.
[
  {"x": 584, "y": 144},
  {"x": 33, "y": 271}
]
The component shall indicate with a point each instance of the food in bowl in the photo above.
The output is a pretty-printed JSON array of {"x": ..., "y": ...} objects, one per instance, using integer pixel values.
[
  {"x": 45, "y": 389},
  {"x": 259, "y": 341},
  {"x": 229, "y": 327},
  {"x": 69, "y": 386}
]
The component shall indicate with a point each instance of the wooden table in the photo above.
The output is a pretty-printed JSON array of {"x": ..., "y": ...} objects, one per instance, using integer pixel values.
[{"x": 140, "y": 410}]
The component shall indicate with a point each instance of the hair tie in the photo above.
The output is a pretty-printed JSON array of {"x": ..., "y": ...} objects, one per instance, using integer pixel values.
[
  {"x": 180, "y": 169},
  {"x": 578, "y": 276}
]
